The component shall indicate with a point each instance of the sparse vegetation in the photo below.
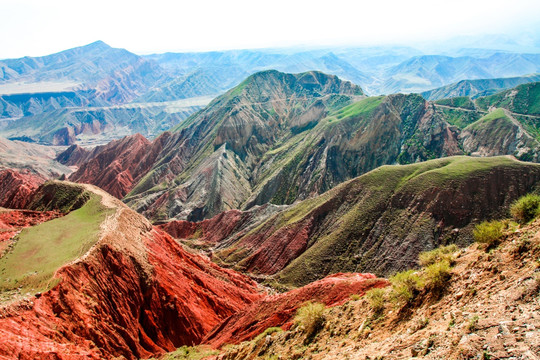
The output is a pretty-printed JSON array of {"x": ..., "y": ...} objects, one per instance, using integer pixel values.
[
  {"x": 190, "y": 353},
  {"x": 489, "y": 232},
  {"x": 472, "y": 326},
  {"x": 376, "y": 300},
  {"x": 443, "y": 253},
  {"x": 265, "y": 333},
  {"x": 405, "y": 286},
  {"x": 310, "y": 318},
  {"x": 437, "y": 276},
  {"x": 526, "y": 208}
]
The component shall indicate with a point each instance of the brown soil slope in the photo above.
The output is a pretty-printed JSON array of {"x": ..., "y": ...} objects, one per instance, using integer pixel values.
[{"x": 488, "y": 310}]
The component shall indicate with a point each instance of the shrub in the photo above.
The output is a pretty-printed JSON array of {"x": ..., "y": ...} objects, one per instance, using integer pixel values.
[
  {"x": 310, "y": 318},
  {"x": 472, "y": 326},
  {"x": 272, "y": 330},
  {"x": 442, "y": 253},
  {"x": 525, "y": 208},
  {"x": 265, "y": 333},
  {"x": 190, "y": 353},
  {"x": 488, "y": 232},
  {"x": 376, "y": 300},
  {"x": 405, "y": 285},
  {"x": 437, "y": 275}
]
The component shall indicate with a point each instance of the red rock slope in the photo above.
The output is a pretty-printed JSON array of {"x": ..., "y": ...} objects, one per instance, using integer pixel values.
[
  {"x": 16, "y": 188},
  {"x": 136, "y": 293},
  {"x": 279, "y": 310},
  {"x": 117, "y": 166}
]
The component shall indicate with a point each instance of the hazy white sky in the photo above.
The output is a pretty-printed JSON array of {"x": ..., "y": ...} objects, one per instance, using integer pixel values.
[{"x": 39, "y": 27}]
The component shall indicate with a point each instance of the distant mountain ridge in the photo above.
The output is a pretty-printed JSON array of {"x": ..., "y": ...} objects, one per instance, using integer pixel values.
[
  {"x": 47, "y": 88},
  {"x": 431, "y": 71},
  {"x": 477, "y": 88},
  {"x": 68, "y": 125}
]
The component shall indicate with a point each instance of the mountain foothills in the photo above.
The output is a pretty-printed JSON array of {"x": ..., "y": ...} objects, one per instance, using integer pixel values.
[{"x": 278, "y": 138}]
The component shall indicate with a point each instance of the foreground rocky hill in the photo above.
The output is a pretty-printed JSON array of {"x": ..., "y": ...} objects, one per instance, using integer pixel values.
[
  {"x": 485, "y": 307},
  {"x": 112, "y": 285}
]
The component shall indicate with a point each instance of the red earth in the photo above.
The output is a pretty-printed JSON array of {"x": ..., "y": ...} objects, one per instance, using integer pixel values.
[
  {"x": 280, "y": 309},
  {"x": 17, "y": 188}
]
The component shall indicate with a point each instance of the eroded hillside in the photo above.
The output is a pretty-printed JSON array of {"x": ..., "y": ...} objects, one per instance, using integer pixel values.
[{"x": 485, "y": 307}]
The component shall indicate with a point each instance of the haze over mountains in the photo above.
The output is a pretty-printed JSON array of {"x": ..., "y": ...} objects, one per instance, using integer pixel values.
[{"x": 76, "y": 88}]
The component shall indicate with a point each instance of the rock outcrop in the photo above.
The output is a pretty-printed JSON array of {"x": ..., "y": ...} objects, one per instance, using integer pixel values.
[{"x": 17, "y": 189}]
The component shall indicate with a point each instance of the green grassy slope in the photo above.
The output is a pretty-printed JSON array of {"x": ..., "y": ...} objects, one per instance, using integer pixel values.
[
  {"x": 380, "y": 221},
  {"x": 524, "y": 99},
  {"x": 29, "y": 266}
]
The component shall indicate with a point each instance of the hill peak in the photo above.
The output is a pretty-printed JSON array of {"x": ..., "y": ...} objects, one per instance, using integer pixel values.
[
  {"x": 99, "y": 44},
  {"x": 307, "y": 83}
]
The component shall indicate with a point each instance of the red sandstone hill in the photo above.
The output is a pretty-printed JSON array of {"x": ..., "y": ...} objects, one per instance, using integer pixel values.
[
  {"x": 133, "y": 291},
  {"x": 17, "y": 188},
  {"x": 279, "y": 309},
  {"x": 117, "y": 166}
]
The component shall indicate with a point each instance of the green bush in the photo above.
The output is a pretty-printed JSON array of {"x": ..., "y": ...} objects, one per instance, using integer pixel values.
[
  {"x": 526, "y": 208},
  {"x": 310, "y": 318},
  {"x": 190, "y": 353},
  {"x": 472, "y": 326},
  {"x": 405, "y": 286},
  {"x": 265, "y": 333},
  {"x": 443, "y": 253},
  {"x": 376, "y": 300},
  {"x": 489, "y": 232},
  {"x": 437, "y": 276}
]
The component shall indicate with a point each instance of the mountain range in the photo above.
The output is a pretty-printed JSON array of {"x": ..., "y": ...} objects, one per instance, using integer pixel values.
[
  {"x": 76, "y": 88},
  {"x": 242, "y": 205},
  {"x": 280, "y": 138}
]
